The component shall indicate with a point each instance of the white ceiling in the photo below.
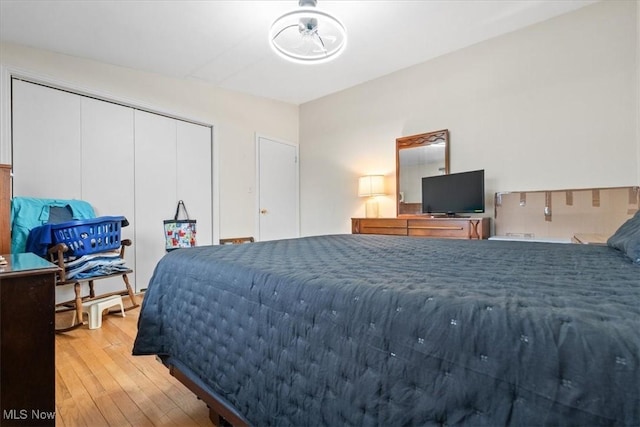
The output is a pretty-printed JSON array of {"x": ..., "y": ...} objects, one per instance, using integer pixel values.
[{"x": 225, "y": 42}]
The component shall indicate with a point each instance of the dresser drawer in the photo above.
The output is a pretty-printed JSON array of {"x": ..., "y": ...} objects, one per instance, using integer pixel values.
[
  {"x": 392, "y": 226},
  {"x": 439, "y": 228},
  {"x": 453, "y": 228}
]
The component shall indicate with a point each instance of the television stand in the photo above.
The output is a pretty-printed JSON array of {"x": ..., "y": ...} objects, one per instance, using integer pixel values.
[{"x": 424, "y": 226}]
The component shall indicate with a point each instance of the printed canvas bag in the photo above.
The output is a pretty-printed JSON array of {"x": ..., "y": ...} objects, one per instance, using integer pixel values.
[{"x": 180, "y": 233}]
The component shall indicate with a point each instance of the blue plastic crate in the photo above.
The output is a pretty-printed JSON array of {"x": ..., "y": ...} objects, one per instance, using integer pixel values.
[{"x": 87, "y": 236}]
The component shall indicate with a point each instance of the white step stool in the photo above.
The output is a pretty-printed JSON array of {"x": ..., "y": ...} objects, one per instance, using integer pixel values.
[{"x": 94, "y": 309}]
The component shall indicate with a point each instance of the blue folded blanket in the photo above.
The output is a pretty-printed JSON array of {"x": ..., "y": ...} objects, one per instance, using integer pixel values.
[{"x": 93, "y": 265}]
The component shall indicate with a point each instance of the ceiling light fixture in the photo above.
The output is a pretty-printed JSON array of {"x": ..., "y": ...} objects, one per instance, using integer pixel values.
[{"x": 308, "y": 35}]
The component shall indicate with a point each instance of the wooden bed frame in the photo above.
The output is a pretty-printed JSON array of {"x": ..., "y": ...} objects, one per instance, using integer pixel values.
[{"x": 220, "y": 413}]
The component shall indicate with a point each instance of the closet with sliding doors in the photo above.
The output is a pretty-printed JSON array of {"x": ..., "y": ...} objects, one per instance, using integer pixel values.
[{"x": 121, "y": 159}]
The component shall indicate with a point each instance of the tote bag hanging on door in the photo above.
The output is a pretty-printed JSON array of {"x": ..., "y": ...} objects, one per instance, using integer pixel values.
[{"x": 180, "y": 233}]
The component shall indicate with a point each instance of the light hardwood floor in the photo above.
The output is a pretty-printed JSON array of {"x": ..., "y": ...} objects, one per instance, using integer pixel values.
[{"x": 99, "y": 382}]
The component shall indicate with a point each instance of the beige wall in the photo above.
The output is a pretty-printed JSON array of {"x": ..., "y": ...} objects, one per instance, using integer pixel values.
[
  {"x": 552, "y": 106},
  {"x": 235, "y": 117}
]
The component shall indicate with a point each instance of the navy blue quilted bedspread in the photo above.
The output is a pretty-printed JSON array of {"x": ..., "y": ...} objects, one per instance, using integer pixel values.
[{"x": 391, "y": 331}]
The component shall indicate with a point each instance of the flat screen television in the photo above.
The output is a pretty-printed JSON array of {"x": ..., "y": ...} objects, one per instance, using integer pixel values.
[{"x": 454, "y": 193}]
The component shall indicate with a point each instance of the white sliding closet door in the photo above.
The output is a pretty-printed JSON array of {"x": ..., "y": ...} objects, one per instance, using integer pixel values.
[
  {"x": 173, "y": 162},
  {"x": 194, "y": 176},
  {"x": 108, "y": 169},
  {"x": 155, "y": 188},
  {"x": 46, "y": 142},
  {"x": 67, "y": 146},
  {"x": 121, "y": 160},
  {"x": 107, "y": 158}
]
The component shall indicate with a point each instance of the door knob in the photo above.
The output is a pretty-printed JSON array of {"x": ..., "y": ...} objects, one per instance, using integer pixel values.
[{"x": 263, "y": 211}]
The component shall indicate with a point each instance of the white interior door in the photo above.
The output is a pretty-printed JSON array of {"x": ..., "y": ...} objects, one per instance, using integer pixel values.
[{"x": 278, "y": 196}]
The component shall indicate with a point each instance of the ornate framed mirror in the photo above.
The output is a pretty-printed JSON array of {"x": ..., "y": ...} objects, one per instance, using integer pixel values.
[{"x": 417, "y": 156}]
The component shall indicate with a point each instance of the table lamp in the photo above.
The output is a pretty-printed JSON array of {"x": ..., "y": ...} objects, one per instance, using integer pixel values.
[{"x": 371, "y": 186}]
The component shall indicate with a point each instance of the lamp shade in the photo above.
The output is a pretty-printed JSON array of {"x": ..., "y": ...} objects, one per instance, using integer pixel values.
[{"x": 371, "y": 185}]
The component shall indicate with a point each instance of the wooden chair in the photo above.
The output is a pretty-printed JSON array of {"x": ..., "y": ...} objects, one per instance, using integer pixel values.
[{"x": 57, "y": 256}]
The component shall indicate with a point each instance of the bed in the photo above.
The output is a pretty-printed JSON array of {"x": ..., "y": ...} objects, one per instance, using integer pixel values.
[{"x": 392, "y": 331}]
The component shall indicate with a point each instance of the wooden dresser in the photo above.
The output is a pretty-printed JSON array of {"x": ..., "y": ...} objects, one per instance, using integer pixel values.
[
  {"x": 27, "y": 349},
  {"x": 5, "y": 209},
  {"x": 452, "y": 228}
]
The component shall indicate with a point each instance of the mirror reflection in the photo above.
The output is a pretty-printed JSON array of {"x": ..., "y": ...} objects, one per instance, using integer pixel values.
[{"x": 418, "y": 156}]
